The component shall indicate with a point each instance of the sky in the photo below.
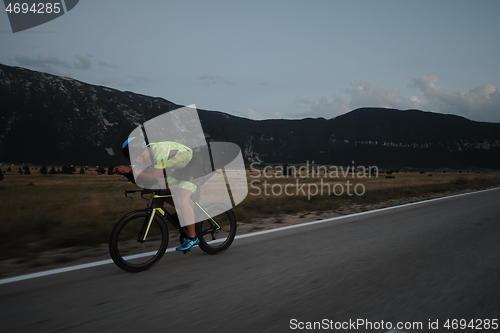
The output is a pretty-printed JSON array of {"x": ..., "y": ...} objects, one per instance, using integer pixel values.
[{"x": 278, "y": 58}]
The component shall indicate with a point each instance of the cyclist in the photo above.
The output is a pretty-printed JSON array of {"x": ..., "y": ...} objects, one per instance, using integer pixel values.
[{"x": 172, "y": 157}]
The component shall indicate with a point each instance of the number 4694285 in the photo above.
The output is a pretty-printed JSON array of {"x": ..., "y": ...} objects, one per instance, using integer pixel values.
[{"x": 36, "y": 8}]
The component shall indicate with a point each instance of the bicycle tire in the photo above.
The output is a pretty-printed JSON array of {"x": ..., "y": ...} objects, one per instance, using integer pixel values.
[
  {"x": 132, "y": 255},
  {"x": 223, "y": 237}
]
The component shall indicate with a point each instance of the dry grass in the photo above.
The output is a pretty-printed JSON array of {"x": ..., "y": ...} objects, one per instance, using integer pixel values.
[
  {"x": 41, "y": 212},
  {"x": 376, "y": 189}
]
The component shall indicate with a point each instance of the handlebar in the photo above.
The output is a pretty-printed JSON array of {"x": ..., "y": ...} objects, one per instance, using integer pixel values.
[{"x": 146, "y": 191}]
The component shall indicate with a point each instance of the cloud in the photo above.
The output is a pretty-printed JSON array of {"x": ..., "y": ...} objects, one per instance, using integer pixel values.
[
  {"x": 263, "y": 83},
  {"x": 252, "y": 114},
  {"x": 50, "y": 62},
  {"x": 141, "y": 79},
  {"x": 481, "y": 103},
  {"x": 114, "y": 82},
  {"x": 44, "y": 61},
  {"x": 106, "y": 64},
  {"x": 125, "y": 81},
  {"x": 324, "y": 108},
  {"x": 210, "y": 80},
  {"x": 368, "y": 94},
  {"x": 82, "y": 62},
  {"x": 107, "y": 81},
  {"x": 361, "y": 94}
]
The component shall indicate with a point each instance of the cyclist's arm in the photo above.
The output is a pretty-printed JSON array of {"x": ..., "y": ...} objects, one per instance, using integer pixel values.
[
  {"x": 149, "y": 175},
  {"x": 145, "y": 176},
  {"x": 125, "y": 171},
  {"x": 122, "y": 169}
]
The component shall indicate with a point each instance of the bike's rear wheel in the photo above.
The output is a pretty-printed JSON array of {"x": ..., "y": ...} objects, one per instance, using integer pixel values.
[
  {"x": 214, "y": 240},
  {"x": 138, "y": 242}
]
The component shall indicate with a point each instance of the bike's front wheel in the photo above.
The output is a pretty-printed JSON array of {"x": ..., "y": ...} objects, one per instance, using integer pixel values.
[
  {"x": 138, "y": 241},
  {"x": 217, "y": 233}
]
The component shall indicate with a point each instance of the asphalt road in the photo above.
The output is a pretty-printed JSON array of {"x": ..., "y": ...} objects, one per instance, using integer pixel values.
[{"x": 432, "y": 261}]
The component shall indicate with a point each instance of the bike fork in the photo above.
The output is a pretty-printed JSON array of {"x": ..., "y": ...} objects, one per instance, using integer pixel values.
[{"x": 143, "y": 234}]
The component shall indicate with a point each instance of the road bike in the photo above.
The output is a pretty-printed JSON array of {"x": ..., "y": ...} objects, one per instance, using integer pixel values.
[{"x": 140, "y": 238}]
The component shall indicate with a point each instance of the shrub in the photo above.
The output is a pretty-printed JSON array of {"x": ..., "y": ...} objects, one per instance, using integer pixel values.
[
  {"x": 100, "y": 170},
  {"x": 68, "y": 170},
  {"x": 43, "y": 170}
]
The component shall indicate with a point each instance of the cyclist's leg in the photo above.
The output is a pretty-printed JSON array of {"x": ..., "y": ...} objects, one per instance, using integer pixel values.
[
  {"x": 183, "y": 205},
  {"x": 182, "y": 191},
  {"x": 169, "y": 200},
  {"x": 184, "y": 188}
]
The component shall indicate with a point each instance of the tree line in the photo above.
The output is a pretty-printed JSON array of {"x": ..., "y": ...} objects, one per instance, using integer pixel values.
[{"x": 64, "y": 170}]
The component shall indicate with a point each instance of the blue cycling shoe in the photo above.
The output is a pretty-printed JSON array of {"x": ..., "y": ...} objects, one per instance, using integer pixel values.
[{"x": 188, "y": 243}]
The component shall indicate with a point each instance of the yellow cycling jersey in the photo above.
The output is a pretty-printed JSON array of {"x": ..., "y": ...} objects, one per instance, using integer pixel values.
[{"x": 169, "y": 154}]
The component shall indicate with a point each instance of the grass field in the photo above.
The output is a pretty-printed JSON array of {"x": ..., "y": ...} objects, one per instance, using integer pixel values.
[{"x": 42, "y": 212}]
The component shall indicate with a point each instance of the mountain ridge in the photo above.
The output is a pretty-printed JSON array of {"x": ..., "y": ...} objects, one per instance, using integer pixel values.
[{"x": 48, "y": 119}]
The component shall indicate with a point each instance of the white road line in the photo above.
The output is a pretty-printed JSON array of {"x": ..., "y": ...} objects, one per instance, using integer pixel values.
[
  {"x": 61, "y": 270},
  {"x": 108, "y": 261},
  {"x": 357, "y": 214}
]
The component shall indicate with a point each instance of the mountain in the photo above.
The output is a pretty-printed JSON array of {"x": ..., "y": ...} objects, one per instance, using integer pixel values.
[{"x": 48, "y": 119}]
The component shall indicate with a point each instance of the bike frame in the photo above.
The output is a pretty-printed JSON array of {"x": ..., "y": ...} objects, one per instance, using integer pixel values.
[{"x": 155, "y": 204}]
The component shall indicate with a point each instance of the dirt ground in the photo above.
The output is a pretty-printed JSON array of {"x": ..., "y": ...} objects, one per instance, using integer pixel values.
[{"x": 74, "y": 256}]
